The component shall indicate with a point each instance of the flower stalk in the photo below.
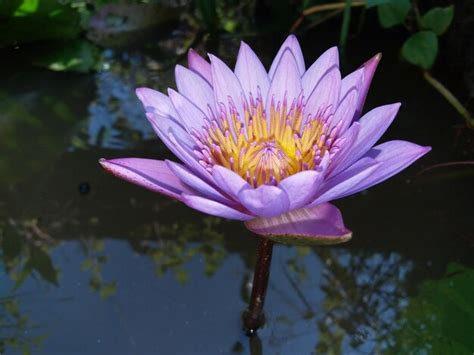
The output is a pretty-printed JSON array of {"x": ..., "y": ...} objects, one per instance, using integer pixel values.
[{"x": 254, "y": 317}]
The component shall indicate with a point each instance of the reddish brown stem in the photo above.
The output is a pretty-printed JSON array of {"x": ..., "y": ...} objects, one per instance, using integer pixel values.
[{"x": 253, "y": 317}]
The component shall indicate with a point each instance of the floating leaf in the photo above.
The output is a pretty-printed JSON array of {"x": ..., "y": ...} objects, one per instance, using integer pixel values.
[
  {"x": 421, "y": 49},
  {"x": 438, "y": 19},
  {"x": 393, "y": 13}
]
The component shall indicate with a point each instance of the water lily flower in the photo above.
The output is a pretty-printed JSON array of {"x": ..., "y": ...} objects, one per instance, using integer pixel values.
[{"x": 271, "y": 148}]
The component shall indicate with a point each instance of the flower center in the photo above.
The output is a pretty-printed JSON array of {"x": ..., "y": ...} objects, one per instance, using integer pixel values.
[{"x": 261, "y": 147}]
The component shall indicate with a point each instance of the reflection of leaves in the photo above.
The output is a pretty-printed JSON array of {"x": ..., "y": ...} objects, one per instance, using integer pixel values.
[
  {"x": 79, "y": 56},
  {"x": 14, "y": 328},
  {"x": 40, "y": 261},
  {"x": 440, "y": 319},
  {"x": 22, "y": 254},
  {"x": 29, "y": 20},
  {"x": 362, "y": 296}
]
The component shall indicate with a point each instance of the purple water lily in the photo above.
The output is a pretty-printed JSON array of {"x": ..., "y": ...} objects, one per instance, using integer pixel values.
[{"x": 269, "y": 148}]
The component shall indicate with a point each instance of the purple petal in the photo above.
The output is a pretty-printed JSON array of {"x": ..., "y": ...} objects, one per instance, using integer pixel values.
[
  {"x": 191, "y": 116},
  {"x": 286, "y": 83},
  {"x": 393, "y": 157},
  {"x": 325, "y": 96},
  {"x": 265, "y": 200},
  {"x": 345, "y": 112},
  {"x": 328, "y": 60},
  {"x": 369, "y": 70},
  {"x": 345, "y": 143},
  {"x": 228, "y": 181},
  {"x": 156, "y": 102},
  {"x": 226, "y": 86},
  {"x": 301, "y": 188},
  {"x": 214, "y": 208},
  {"x": 372, "y": 126},
  {"x": 197, "y": 184},
  {"x": 344, "y": 183},
  {"x": 195, "y": 88},
  {"x": 320, "y": 224},
  {"x": 251, "y": 73},
  {"x": 151, "y": 174},
  {"x": 199, "y": 65},
  {"x": 292, "y": 44}
]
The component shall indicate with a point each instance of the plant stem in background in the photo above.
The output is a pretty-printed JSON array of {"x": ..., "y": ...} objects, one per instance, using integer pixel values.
[
  {"x": 339, "y": 6},
  {"x": 448, "y": 95},
  {"x": 253, "y": 317},
  {"x": 346, "y": 19}
]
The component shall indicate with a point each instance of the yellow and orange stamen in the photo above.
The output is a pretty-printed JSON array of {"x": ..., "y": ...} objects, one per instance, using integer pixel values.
[{"x": 261, "y": 149}]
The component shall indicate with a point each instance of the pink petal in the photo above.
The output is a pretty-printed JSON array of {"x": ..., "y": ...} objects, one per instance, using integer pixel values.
[
  {"x": 291, "y": 43},
  {"x": 156, "y": 102},
  {"x": 393, "y": 157},
  {"x": 196, "y": 183},
  {"x": 320, "y": 224},
  {"x": 199, "y": 65},
  {"x": 195, "y": 88},
  {"x": 328, "y": 60},
  {"x": 226, "y": 86},
  {"x": 190, "y": 115},
  {"x": 369, "y": 70},
  {"x": 325, "y": 96},
  {"x": 302, "y": 187},
  {"x": 286, "y": 83},
  {"x": 151, "y": 174},
  {"x": 228, "y": 181},
  {"x": 265, "y": 200},
  {"x": 214, "y": 208},
  {"x": 251, "y": 73},
  {"x": 344, "y": 184},
  {"x": 372, "y": 126}
]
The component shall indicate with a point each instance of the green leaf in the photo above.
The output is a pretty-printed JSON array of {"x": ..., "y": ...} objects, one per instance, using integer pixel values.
[
  {"x": 393, "y": 13},
  {"x": 421, "y": 49},
  {"x": 373, "y": 3},
  {"x": 438, "y": 19},
  {"x": 78, "y": 56},
  {"x": 440, "y": 318}
]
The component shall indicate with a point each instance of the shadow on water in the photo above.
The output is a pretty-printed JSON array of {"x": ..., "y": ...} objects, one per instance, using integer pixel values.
[{"x": 94, "y": 265}]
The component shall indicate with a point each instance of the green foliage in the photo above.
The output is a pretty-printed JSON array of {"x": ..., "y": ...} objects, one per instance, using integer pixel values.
[
  {"x": 79, "y": 56},
  {"x": 373, "y": 3},
  {"x": 393, "y": 13},
  {"x": 438, "y": 19},
  {"x": 207, "y": 10},
  {"x": 37, "y": 20},
  {"x": 440, "y": 319},
  {"x": 421, "y": 49}
]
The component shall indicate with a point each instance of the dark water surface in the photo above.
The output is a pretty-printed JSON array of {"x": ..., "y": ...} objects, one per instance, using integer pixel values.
[{"x": 94, "y": 265}]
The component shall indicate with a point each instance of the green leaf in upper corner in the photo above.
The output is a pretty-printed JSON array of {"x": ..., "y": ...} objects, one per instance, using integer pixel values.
[
  {"x": 421, "y": 49},
  {"x": 77, "y": 56},
  {"x": 373, "y": 3},
  {"x": 393, "y": 13},
  {"x": 438, "y": 19}
]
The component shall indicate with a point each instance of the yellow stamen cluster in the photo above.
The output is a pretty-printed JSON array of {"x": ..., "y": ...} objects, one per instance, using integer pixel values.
[{"x": 261, "y": 149}]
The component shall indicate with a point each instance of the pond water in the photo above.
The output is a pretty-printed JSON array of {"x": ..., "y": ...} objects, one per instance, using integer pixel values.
[{"x": 93, "y": 265}]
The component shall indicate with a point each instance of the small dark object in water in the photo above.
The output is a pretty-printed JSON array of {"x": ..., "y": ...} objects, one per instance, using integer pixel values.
[{"x": 84, "y": 188}]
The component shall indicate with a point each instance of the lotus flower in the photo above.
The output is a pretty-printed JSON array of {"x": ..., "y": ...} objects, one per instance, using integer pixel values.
[{"x": 271, "y": 148}]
